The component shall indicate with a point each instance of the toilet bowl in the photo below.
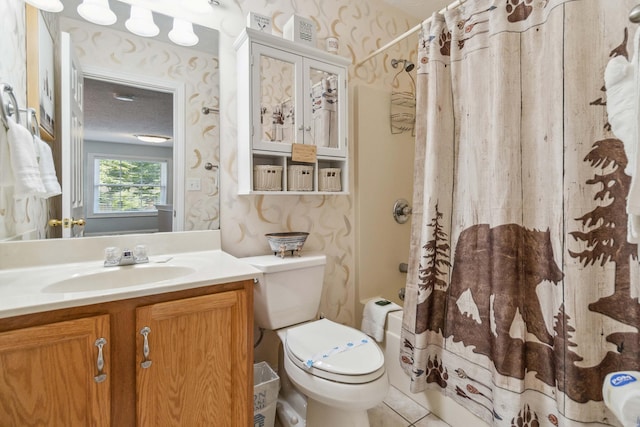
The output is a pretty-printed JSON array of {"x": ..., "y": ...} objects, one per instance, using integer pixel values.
[
  {"x": 339, "y": 386},
  {"x": 330, "y": 373}
]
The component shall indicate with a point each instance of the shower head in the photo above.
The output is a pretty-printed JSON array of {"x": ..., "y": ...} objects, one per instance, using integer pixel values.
[{"x": 406, "y": 64}]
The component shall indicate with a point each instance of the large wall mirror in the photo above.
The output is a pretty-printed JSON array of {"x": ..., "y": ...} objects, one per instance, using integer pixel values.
[{"x": 138, "y": 86}]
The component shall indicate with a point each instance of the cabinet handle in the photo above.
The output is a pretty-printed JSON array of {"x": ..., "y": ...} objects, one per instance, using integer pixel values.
[
  {"x": 301, "y": 127},
  {"x": 146, "y": 362},
  {"x": 100, "y": 342}
]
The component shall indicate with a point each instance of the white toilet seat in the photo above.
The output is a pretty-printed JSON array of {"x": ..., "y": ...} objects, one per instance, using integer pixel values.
[{"x": 335, "y": 352}]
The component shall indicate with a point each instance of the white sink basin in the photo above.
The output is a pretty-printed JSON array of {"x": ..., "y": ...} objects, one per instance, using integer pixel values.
[{"x": 118, "y": 277}]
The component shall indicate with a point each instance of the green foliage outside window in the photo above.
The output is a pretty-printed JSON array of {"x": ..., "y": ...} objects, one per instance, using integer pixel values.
[{"x": 129, "y": 185}]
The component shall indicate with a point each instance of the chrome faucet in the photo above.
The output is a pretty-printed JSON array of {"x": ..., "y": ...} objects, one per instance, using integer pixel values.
[{"x": 113, "y": 257}]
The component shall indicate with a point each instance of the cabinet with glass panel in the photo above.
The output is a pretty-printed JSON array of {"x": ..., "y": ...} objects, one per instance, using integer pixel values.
[{"x": 292, "y": 117}]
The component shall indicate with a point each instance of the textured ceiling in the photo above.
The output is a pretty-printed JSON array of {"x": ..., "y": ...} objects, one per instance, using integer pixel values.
[{"x": 112, "y": 120}]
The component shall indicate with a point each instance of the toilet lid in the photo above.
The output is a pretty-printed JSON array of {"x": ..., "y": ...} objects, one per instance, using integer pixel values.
[{"x": 334, "y": 348}]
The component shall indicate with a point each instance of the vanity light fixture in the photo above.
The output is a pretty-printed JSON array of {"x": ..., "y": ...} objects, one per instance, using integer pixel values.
[
  {"x": 153, "y": 138},
  {"x": 201, "y": 6},
  {"x": 182, "y": 33},
  {"x": 97, "y": 11},
  {"x": 46, "y": 5},
  {"x": 198, "y": 6},
  {"x": 141, "y": 22}
]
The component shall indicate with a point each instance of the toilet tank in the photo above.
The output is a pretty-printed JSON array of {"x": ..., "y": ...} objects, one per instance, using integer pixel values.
[{"x": 289, "y": 290}]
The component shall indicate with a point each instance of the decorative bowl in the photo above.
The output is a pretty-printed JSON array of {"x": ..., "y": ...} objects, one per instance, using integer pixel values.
[{"x": 288, "y": 241}]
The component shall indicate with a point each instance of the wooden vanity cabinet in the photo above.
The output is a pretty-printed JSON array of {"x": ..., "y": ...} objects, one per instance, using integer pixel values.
[
  {"x": 49, "y": 375},
  {"x": 196, "y": 371}
]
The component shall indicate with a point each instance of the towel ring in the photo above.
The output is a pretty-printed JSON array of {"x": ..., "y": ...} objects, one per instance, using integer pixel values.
[
  {"x": 9, "y": 105},
  {"x": 32, "y": 121}
]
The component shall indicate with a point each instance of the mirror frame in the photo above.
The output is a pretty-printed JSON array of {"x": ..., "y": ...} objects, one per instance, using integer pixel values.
[{"x": 179, "y": 122}]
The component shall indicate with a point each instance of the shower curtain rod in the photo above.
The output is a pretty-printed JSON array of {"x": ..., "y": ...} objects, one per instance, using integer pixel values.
[{"x": 408, "y": 33}]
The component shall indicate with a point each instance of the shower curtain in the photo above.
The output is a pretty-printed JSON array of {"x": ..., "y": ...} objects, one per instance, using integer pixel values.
[{"x": 522, "y": 290}]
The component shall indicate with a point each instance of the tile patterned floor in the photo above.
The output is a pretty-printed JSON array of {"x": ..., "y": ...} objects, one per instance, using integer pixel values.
[{"x": 398, "y": 410}]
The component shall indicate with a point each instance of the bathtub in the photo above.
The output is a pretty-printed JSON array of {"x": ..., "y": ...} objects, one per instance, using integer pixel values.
[{"x": 443, "y": 407}]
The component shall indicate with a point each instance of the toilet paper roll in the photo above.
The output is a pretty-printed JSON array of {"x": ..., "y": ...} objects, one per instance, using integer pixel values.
[{"x": 374, "y": 317}]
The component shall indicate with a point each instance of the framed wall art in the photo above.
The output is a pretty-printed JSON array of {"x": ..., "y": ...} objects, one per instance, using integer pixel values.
[{"x": 40, "y": 72}]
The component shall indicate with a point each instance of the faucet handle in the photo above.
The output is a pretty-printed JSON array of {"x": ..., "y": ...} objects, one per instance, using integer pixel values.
[
  {"x": 140, "y": 254},
  {"x": 112, "y": 256}
]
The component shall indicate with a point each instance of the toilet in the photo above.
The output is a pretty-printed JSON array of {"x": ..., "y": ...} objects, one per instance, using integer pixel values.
[{"x": 330, "y": 373}]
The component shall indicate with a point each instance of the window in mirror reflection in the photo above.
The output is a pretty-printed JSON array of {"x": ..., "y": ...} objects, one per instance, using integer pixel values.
[{"x": 127, "y": 185}]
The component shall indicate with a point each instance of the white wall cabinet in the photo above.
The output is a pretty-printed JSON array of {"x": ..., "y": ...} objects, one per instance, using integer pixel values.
[{"x": 290, "y": 93}]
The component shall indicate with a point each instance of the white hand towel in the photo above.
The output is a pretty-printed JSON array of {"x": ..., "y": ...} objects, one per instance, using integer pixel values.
[
  {"x": 7, "y": 224},
  {"x": 375, "y": 316},
  {"x": 6, "y": 171},
  {"x": 47, "y": 168},
  {"x": 26, "y": 173}
]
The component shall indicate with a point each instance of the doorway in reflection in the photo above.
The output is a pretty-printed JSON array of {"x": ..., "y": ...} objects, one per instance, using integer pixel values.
[{"x": 128, "y": 152}]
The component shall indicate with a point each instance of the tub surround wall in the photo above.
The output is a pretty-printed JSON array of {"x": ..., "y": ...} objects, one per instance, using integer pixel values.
[
  {"x": 445, "y": 408},
  {"x": 384, "y": 173}
]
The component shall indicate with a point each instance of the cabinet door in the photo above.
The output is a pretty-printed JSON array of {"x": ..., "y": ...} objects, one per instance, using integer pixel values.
[
  {"x": 196, "y": 368},
  {"x": 49, "y": 375},
  {"x": 325, "y": 107},
  {"x": 277, "y": 101}
]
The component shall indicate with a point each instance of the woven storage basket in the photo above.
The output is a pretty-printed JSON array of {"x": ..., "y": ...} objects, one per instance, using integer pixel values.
[
  {"x": 267, "y": 178},
  {"x": 329, "y": 179},
  {"x": 300, "y": 178}
]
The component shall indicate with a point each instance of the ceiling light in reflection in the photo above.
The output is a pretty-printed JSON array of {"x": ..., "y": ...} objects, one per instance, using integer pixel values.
[
  {"x": 182, "y": 33},
  {"x": 97, "y": 11},
  {"x": 141, "y": 22},
  {"x": 153, "y": 138}
]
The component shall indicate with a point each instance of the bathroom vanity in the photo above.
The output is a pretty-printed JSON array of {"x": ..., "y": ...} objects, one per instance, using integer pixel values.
[{"x": 170, "y": 351}]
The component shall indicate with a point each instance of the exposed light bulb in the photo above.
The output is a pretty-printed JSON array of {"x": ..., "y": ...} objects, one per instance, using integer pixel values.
[
  {"x": 47, "y": 5},
  {"x": 97, "y": 11},
  {"x": 141, "y": 22},
  {"x": 182, "y": 33}
]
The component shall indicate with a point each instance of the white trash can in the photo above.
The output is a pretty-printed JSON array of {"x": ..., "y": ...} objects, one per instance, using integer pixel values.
[{"x": 266, "y": 385}]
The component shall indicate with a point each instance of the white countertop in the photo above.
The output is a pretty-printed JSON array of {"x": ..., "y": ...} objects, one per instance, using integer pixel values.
[{"x": 27, "y": 286}]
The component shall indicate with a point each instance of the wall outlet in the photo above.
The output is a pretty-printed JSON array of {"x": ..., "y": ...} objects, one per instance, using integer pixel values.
[{"x": 193, "y": 184}]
